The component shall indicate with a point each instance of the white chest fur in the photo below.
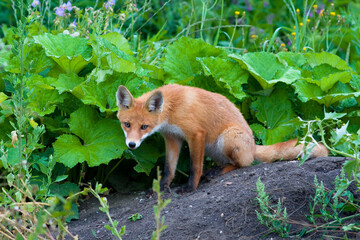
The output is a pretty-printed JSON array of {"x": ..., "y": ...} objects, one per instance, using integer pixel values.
[{"x": 169, "y": 129}]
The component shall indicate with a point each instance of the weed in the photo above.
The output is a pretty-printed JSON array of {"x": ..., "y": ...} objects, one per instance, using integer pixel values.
[
  {"x": 135, "y": 217},
  {"x": 161, "y": 204},
  {"x": 105, "y": 208}
]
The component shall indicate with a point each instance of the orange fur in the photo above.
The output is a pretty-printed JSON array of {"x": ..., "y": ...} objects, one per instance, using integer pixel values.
[{"x": 209, "y": 122}]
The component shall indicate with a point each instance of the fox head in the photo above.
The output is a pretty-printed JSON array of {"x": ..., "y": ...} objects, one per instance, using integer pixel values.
[{"x": 139, "y": 117}]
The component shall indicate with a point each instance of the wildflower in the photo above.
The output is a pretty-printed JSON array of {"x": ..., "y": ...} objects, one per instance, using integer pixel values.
[
  {"x": 237, "y": 13},
  {"x": 59, "y": 11},
  {"x": 332, "y": 14},
  {"x": 293, "y": 33},
  {"x": 14, "y": 138},
  {"x": 122, "y": 17},
  {"x": 75, "y": 34},
  {"x": 35, "y": 3},
  {"x": 304, "y": 49},
  {"x": 282, "y": 45},
  {"x": 73, "y": 25},
  {"x": 67, "y": 6},
  {"x": 66, "y": 32},
  {"x": 297, "y": 10},
  {"x": 301, "y": 24},
  {"x": 253, "y": 36},
  {"x": 315, "y": 6},
  {"x": 307, "y": 20},
  {"x": 109, "y": 4},
  {"x": 294, "y": 27}
]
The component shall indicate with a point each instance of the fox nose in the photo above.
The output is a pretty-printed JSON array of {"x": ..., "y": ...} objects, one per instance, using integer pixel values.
[{"x": 132, "y": 145}]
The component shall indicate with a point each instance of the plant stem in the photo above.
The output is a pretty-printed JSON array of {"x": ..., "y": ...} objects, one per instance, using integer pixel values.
[{"x": 218, "y": 30}]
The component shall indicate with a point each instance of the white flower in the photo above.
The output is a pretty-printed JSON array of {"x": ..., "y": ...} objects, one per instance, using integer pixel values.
[{"x": 75, "y": 34}]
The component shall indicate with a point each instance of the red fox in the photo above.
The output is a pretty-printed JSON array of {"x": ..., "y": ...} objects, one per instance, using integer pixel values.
[{"x": 208, "y": 121}]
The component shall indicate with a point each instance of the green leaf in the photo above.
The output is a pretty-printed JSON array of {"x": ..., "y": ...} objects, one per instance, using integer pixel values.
[
  {"x": 307, "y": 91},
  {"x": 145, "y": 156},
  {"x": 72, "y": 54},
  {"x": 317, "y": 59},
  {"x": 64, "y": 189},
  {"x": 277, "y": 115},
  {"x": 119, "y": 41},
  {"x": 115, "y": 49},
  {"x": 102, "y": 94},
  {"x": 277, "y": 134},
  {"x": 3, "y": 97},
  {"x": 333, "y": 115},
  {"x": 267, "y": 69},
  {"x": 292, "y": 59},
  {"x": 275, "y": 109},
  {"x": 328, "y": 81},
  {"x": 101, "y": 140},
  {"x": 180, "y": 58},
  {"x": 44, "y": 97},
  {"x": 67, "y": 82},
  {"x": 227, "y": 75},
  {"x": 61, "y": 178}
]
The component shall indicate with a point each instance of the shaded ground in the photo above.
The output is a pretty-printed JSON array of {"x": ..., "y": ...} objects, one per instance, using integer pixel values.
[{"x": 223, "y": 208}]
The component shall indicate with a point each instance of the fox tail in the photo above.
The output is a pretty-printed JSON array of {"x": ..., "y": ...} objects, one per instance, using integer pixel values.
[{"x": 287, "y": 151}]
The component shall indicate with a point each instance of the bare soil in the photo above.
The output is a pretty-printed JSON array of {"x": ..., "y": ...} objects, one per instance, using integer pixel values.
[{"x": 223, "y": 208}]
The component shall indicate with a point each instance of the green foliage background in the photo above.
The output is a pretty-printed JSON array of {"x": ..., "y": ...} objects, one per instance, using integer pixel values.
[{"x": 249, "y": 56}]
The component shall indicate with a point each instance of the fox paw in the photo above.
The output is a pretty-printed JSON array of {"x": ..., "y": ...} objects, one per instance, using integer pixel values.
[{"x": 185, "y": 189}]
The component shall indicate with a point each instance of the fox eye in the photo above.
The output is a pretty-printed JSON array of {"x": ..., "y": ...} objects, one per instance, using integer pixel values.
[
  {"x": 143, "y": 127},
  {"x": 127, "y": 124}
]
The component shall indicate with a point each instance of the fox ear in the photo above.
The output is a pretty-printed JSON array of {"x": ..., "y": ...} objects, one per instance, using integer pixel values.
[
  {"x": 124, "y": 99},
  {"x": 155, "y": 102}
]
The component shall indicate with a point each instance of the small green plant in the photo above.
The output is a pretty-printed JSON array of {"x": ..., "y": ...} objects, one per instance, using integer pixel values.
[
  {"x": 135, "y": 217},
  {"x": 161, "y": 204},
  {"x": 272, "y": 216},
  {"x": 328, "y": 206},
  {"x": 105, "y": 208}
]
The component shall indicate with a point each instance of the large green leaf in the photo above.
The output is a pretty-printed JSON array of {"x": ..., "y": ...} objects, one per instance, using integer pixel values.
[
  {"x": 67, "y": 82},
  {"x": 278, "y": 134},
  {"x": 72, "y": 54},
  {"x": 101, "y": 140},
  {"x": 292, "y": 59},
  {"x": 317, "y": 59},
  {"x": 276, "y": 113},
  {"x": 180, "y": 59},
  {"x": 119, "y": 41},
  {"x": 44, "y": 97},
  {"x": 227, "y": 75},
  {"x": 308, "y": 91},
  {"x": 267, "y": 69},
  {"x": 112, "y": 52},
  {"x": 145, "y": 156},
  {"x": 275, "y": 109},
  {"x": 103, "y": 94}
]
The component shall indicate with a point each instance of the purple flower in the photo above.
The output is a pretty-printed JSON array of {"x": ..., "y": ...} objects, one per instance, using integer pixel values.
[
  {"x": 73, "y": 24},
  {"x": 67, "y": 6},
  {"x": 35, "y": 3},
  {"x": 110, "y": 3},
  {"x": 59, "y": 11}
]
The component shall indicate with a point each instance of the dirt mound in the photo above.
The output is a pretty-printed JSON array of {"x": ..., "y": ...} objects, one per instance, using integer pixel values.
[{"x": 223, "y": 208}]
